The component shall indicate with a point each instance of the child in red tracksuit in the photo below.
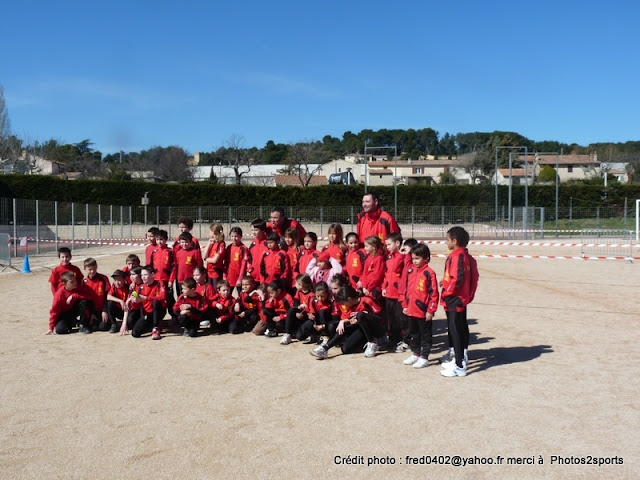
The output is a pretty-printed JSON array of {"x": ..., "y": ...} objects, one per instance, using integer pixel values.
[
  {"x": 162, "y": 261},
  {"x": 373, "y": 273},
  {"x": 246, "y": 307},
  {"x": 215, "y": 254},
  {"x": 100, "y": 284},
  {"x": 298, "y": 314},
  {"x": 354, "y": 260},
  {"x": 274, "y": 262},
  {"x": 320, "y": 316},
  {"x": 361, "y": 324},
  {"x": 276, "y": 307},
  {"x": 189, "y": 308},
  {"x": 459, "y": 285},
  {"x": 222, "y": 308},
  {"x": 336, "y": 246},
  {"x": 257, "y": 248},
  {"x": 148, "y": 306},
  {"x": 72, "y": 300},
  {"x": 291, "y": 240},
  {"x": 117, "y": 300},
  {"x": 307, "y": 252},
  {"x": 420, "y": 302},
  {"x": 186, "y": 258},
  {"x": 405, "y": 251},
  {"x": 204, "y": 288},
  {"x": 236, "y": 259},
  {"x": 151, "y": 238},
  {"x": 55, "y": 279},
  {"x": 394, "y": 264}
]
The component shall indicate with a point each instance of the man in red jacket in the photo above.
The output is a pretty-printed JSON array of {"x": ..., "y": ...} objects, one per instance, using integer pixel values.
[{"x": 374, "y": 221}]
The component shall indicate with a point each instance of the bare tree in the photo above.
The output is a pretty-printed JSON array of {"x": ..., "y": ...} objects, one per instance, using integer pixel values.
[
  {"x": 305, "y": 159},
  {"x": 237, "y": 156},
  {"x": 476, "y": 164},
  {"x": 6, "y": 150}
]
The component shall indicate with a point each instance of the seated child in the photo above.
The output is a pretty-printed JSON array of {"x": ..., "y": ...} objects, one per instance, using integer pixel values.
[
  {"x": 72, "y": 303},
  {"x": 151, "y": 297},
  {"x": 222, "y": 308},
  {"x": 319, "y": 318},
  {"x": 360, "y": 324},
  {"x": 117, "y": 300},
  {"x": 299, "y": 312},
  {"x": 99, "y": 283},
  {"x": 189, "y": 308},
  {"x": 204, "y": 288},
  {"x": 246, "y": 308},
  {"x": 276, "y": 308}
]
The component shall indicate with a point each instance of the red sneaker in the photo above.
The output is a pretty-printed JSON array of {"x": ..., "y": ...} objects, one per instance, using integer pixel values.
[{"x": 155, "y": 334}]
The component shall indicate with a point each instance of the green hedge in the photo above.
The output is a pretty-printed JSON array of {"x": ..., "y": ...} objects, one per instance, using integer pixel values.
[{"x": 43, "y": 187}]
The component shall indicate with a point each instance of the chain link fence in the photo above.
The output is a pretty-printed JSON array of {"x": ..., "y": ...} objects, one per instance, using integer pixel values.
[{"x": 49, "y": 225}]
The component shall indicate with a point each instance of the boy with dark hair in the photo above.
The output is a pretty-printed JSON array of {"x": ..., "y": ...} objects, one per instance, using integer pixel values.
[
  {"x": 99, "y": 283},
  {"x": 419, "y": 304},
  {"x": 185, "y": 225},
  {"x": 64, "y": 255},
  {"x": 459, "y": 285},
  {"x": 273, "y": 265},
  {"x": 151, "y": 238},
  {"x": 132, "y": 261},
  {"x": 394, "y": 264},
  {"x": 116, "y": 300},
  {"x": 151, "y": 297},
  {"x": 162, "y": 261},
  {"x": 187, "y": 257},
  {"x": 257, "y": 248},
  {"x": 246, "y": 308},
  {"x": 73, "y": 302},
  {"x": 189, "y": 308}
]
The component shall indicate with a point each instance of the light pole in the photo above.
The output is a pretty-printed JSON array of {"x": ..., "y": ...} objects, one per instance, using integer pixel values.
[
  {"x": 145, "y": 203},
  {"x": 495, "y": 175}
]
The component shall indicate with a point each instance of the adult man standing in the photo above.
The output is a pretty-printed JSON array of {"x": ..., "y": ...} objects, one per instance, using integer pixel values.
[
  {"x": 280, "y": 223},
  {"x": 373, "y": 220}
]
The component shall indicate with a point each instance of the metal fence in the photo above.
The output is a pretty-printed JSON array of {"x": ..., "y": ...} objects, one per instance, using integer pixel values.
[
  {"x": 607, "y": 243},
  {"x": 5, "y": 252},
  {"x": 50, "y": 224}
]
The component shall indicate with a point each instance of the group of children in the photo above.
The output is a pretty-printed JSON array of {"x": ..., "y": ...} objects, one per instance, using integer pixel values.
[{"x": 359, "y": 297}]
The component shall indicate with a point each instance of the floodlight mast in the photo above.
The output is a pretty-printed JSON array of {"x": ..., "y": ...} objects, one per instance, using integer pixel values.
[
  {"x": 495, "y": 175},
  {"x": 395, "y": 173}
]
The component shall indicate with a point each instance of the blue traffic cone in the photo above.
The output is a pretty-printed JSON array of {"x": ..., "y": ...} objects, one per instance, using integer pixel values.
[{"x": 25, "y": 265}]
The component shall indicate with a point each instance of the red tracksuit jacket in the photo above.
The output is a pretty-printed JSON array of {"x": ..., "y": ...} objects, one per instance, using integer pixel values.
[
  {"x": 460, "y": 280},
  {"x": 421, "y": 296}
]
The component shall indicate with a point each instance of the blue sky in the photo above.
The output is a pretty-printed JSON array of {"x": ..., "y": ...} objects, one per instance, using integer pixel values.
[{"x": 132, "y": 75}]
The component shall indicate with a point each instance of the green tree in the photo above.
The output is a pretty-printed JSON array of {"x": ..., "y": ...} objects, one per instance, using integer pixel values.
[{"x": 547, "y": 174}]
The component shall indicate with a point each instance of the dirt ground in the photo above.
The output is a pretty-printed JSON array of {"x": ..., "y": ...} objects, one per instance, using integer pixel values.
[{"x": 552, "y": 386}]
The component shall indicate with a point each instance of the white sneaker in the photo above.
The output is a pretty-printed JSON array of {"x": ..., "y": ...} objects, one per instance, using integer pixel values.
[
  {"x": 286, "y": 339},
  {"x": 402, "y": 347},
  {"x": 454, "y": 372},
  {"x": 371, "y": 349},
  {"x": 325, "y": 341},
  {"x": 319, "y": 352},
  {"x": 448, "y": 356},
  {"x": 411, "y": 360},
  {"x": 205, "y": 324},
  {"x": 451, "y": 364},
  {"x": 421, "y": 363}
]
